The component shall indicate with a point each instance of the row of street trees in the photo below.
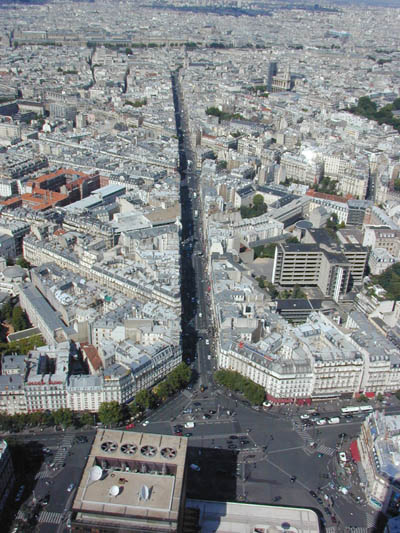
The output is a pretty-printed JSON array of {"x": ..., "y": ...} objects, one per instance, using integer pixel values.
[
  {"x": 238, "y": 383},
  {"x": 111, "y": 413}
]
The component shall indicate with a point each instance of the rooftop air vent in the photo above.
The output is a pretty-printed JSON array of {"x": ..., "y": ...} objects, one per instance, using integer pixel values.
[
  {"x": 109, "y": 446},
  {"x": 168, "y": 453},
  {"x": 148, "y": 451},
  {"x": 128, "y": 449}
]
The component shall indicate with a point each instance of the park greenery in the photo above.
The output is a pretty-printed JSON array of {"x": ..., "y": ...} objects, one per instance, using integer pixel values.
[
  {"x": 222, "y": 115},
  {"x": 383, "y": 115},
  {"x": 286, "y": 294},
  {"x": 268, "y": 250},
  {"x": 21, "y": 346},
  {"x": 390, "y": 281},
  {"x": 326, "y": 185},
  {"x": 255, "y": 209},
  {"x": 14, "y": 315},
  {"x": 235, "y": 382},
  {"x": 137, "y": 103}
]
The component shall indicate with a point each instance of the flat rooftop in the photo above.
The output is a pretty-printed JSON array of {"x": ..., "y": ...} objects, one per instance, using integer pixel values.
[
  {"x": 132, "y": 476},
  {"x": 228, "y": 517}
]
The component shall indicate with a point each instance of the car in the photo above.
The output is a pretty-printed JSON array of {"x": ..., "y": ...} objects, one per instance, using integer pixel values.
[
  {"x": 188, "y": 434},
  {"x": 319, "y": 500},
  {"x": 233, "y": 437},
  {"x": 305, "y": 416},
  {"x": 46, "y": 450},
  {"x": 212, "y": 412},
  {"x": 293, "y": 479},
  {"x": 145, "y": 423},
  {"x": 130, "y": 426},
  {"x": 327, "y": 511},
  {"x": 194, "y": 467},
  {"x": 46, "y": 499},
  {"x": 206, "y": 416},
  {"x": 320, "y": 455},
  {"x": 70, "y": 487},
  {"x": 207, "y": 342},
  {"x": 197, "y": 404},
  {"x": 334, "y": 520},
  {"x": 321, "y": 422},
  {"x": 313, "y": 494},
  {"x": 343, "y": 457}
]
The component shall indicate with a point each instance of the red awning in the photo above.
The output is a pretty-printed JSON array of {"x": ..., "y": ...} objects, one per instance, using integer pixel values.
[
  {"x": 354, "y": 451},
  {"x": 370, "y": 394}
]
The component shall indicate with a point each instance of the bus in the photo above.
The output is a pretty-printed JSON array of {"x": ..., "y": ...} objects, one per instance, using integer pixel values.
[
  {"x": 349, "y": 410},
  {"x": 366, "y": 408}
]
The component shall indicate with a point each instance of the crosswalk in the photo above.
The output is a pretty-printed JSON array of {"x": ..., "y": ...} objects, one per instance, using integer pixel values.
[
  {"x": 356, "y": 530},
  {"x": 326, "y": 450},
  {"x": 43, "y": 474},
  {"x": 50, "y": 517},
  {"x": 306, "y": 437},
  {"x": 61, "y": 453},
  {"x": 371, "y": 520}
]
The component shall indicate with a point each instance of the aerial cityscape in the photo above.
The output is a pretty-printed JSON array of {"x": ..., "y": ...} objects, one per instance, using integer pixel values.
[{"x": 200, "y": 266}]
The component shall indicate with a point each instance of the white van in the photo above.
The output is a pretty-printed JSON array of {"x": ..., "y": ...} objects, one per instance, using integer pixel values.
[{"x": 189, "y": 425}]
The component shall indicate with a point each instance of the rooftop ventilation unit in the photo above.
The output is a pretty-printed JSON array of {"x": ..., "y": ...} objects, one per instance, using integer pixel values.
[
  {"x": 109, "y": 446},
  {"x": 128, "y": 449},
  {"x": 148, "y": 451},
  {"x": 168, "y": 453}
]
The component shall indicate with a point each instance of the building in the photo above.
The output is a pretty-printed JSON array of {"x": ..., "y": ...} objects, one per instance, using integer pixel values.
[
  {"x": 378, "y": 451},
  {"x": 132, "y": 482},
  {"x": 7, "y": 478},
  {"x": 252, "y": 517},
  {"x": 320, "y": 261}
]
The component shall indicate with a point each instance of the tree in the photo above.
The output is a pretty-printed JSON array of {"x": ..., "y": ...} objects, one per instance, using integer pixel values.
[
  {"x": 7, "y": 311},
  {"x": 234, "y": 381},
  {"x": 18, "y": 320},
  {"x": 145, "y": 399},
  {"x": 23, "y": 263},
  {"x": 63, "y": 417},
  {"x": 258, "y": 200},
  {"x": 110, "y": 413},
  {"x": 86, "y": 419}
]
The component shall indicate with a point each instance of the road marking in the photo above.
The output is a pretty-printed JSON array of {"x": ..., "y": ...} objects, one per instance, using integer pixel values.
[{"x": 50, "y": 517}]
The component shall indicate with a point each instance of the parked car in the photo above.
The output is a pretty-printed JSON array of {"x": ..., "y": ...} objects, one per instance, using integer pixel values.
[{"x": 71, "y": 487}]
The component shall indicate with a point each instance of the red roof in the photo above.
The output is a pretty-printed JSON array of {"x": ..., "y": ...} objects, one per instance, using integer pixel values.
[
  {"x": 355, "y": 453},
  {"x": 325, "y": 196},
  {"x": 92, "y": 354}
]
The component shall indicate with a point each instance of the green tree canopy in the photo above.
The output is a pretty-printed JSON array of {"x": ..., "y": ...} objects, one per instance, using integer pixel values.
[
  {"x": 145, "y": 399},
  {"x": 63, "y": 417},
  {"x": 234, "y": 381},
  {"x": 19, "y": 320},
  {"x": 110, "y": 413}
]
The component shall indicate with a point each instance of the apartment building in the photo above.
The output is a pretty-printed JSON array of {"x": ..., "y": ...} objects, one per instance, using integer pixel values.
[
  {"x": 378, "y": 447},
  {"x": 7, "y": 477},
  {"x": 319, "y": 261}
]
